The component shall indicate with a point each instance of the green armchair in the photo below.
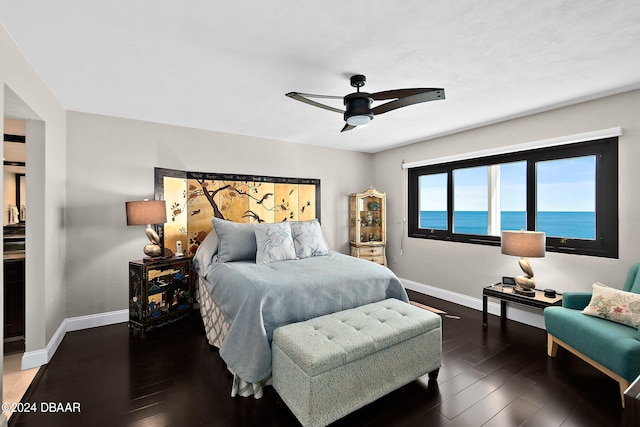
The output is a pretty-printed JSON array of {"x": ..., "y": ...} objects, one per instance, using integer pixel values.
[{"x": 611, "y": 347}]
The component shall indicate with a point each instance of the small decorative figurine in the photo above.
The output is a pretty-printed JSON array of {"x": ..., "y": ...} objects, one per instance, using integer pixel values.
[{"x": 368, "y": 219}]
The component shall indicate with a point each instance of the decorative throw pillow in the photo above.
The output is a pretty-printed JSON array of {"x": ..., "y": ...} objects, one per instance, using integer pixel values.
[
  {"x": 205, "y": 253},
  {"x": 615, "y": 305},
  {"x": 308, "y": 240},
  {"x": 236, "y": 241},
  {"x": 274, "y": 242}
]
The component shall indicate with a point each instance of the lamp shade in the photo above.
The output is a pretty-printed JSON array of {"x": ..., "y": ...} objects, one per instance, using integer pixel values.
[
  {"x": 146, "y": 212},
  {"x": 526, "y": 244}
]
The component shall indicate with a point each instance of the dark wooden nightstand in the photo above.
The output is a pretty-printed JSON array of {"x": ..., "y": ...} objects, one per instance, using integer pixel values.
[
  {"x": 507, "y": 293},
  {"x": 160, "y": 292}
]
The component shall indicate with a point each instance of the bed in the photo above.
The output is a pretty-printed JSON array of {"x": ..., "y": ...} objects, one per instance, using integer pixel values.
[{"x": 254, "y": 278}]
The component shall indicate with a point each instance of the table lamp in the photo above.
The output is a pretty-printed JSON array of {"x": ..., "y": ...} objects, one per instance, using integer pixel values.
[
  {"x": 525, "y": 244},
  {"x": 149, "y": 212}
]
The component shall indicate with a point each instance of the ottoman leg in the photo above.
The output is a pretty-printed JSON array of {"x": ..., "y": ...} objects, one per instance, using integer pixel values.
[{"x": 433, "y": 375}]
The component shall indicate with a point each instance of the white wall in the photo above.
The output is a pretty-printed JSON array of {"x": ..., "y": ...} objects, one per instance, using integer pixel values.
[
  {"x": 46, "y": 166},
  {"x": 466, "y": 268},
  {"x": 45, "y": 237},
  {"x": 111, "y": 160}
]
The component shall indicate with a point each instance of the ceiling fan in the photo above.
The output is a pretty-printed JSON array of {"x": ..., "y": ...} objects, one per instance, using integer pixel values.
[{"x": 358, "y": 104}]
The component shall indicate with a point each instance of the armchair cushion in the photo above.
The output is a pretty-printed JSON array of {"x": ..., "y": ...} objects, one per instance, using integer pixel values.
[
  {"x": 576, "y": 300},
  {"x": 615, "y": 305}
]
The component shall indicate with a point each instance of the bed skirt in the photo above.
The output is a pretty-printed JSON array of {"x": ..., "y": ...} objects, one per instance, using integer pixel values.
[{"x": 216, "y": 328}]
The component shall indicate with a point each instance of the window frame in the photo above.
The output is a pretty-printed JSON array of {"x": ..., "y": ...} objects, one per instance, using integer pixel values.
[{"x": 605, "y": 151}]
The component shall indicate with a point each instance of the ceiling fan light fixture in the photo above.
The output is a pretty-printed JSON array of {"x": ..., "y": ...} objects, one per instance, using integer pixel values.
[
  {"x": 359, "y": 120},
  {"x": 359, "y": 112}
]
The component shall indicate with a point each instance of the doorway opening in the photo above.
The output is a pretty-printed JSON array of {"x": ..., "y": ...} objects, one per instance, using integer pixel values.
[{"x": 22, "y": 127}]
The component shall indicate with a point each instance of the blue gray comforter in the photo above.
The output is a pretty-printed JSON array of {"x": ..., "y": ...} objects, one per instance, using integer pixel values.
[{"x": 257, "y": 299}]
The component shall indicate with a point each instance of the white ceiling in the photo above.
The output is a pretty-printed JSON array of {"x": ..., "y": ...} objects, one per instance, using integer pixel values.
[{"x": 226, "y": 66}]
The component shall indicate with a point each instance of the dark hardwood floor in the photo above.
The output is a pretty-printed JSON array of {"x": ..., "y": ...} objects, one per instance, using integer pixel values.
[{"x": 499, "y": 376}]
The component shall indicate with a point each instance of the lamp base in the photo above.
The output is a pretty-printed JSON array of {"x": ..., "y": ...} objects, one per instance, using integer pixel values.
[
  {"x": 524, "y": 292},
  {"x": 525, "y": 286},
  {"x": 149, "y": 260},
  {"x": 525, "y": 282},
  {"x": 152, "y": 250}
]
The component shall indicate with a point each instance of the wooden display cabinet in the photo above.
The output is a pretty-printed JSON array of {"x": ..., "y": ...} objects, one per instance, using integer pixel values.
[
  {"x": 160, "y": 292},
  {"x": 368, "y": 225}
]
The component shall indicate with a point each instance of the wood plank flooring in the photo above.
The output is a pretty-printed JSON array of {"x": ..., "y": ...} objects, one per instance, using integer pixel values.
[{"x": 499, "y": 376}]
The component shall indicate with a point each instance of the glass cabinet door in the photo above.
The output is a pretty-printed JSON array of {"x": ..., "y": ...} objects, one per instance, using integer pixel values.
[{"x": 367, "y": 218}]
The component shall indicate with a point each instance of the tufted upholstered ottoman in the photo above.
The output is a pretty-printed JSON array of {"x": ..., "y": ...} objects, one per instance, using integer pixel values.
[{"x": 329, "y": 366}]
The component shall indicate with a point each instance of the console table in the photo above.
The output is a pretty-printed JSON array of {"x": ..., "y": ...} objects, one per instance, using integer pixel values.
[{"x": 507, "y": 293}]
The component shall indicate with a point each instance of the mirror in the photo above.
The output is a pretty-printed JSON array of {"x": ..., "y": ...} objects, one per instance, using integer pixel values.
[
  {"x": 15, "y": 199},
  {"x": 21, "y": 196}
]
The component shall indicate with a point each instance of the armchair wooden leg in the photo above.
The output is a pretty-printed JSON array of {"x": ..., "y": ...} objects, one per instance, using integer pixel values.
[
  {"x": 552, "y": 349},
  {"x": 552, "y": 346},
  {"x": 624, "y": 385}
]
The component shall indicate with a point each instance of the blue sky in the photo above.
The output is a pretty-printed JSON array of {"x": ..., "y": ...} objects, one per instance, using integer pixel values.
[{"x": 563, "y": 185}]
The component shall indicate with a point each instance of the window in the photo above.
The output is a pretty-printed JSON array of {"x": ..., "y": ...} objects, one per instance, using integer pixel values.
[
  {"x": 566, "y": 197},
  {"x": 570, "y": 192},
  {"x": 433, "y": 201},
  {"x": 470, "y": 195}
]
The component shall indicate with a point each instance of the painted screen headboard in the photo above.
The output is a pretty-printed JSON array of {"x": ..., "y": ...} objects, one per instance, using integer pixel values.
[{"x": 193, "y": 198}]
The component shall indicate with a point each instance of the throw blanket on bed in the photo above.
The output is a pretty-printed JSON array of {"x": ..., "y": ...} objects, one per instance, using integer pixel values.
[{"x": 257, "y": 299}]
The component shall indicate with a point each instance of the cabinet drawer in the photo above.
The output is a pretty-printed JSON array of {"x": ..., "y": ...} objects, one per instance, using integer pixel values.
[
  {"x": 376, "y": 259},
  {"x": 373, "y": 251}
]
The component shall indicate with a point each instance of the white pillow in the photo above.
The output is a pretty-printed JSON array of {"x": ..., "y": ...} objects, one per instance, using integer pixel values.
[
  {"x": 308, "y": 239},
  {"x": 274, "y": 242},
  {"x": 205, "y": 253},
  {"x": 615, "y": 305}
]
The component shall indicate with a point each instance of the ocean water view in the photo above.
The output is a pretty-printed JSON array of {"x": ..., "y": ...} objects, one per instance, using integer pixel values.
[{"x": 577, "y": 225}]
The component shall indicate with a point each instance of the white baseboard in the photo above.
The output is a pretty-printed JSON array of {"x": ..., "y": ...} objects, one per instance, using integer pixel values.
[
  {"x": 513, "y": 311},
  {"x": 95, "y": 320},
  {"x": 36, "y": 358}
]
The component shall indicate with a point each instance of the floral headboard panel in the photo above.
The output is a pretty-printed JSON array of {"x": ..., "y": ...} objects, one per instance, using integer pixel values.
[{"x": 193, "y": 198}]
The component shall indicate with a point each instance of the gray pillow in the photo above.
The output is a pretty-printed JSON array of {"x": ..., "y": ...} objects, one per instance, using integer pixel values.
[
  {"x": 274, "y": 242},
  {"x": 236, "y": 241},
  {"x": 308, "y": 239},
  {"x": 205, "y": 253}
]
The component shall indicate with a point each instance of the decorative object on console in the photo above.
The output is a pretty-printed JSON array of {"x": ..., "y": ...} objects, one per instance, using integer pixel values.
[
  {"x": 508, "y": 281},
  {"x": 367, "y": 225},
  {"x": 149, "y": 212},
  {"x": 525, "y": 244}
]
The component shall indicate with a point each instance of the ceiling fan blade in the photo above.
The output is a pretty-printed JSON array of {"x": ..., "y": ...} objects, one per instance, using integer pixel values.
[
  {"x": 399, "y": 93},
  {"x": 347, "y": 127},
  {"x": 311, "y": 95},
  {"x": 429, "y": 95},
  {"x": 304, "y": 97}
]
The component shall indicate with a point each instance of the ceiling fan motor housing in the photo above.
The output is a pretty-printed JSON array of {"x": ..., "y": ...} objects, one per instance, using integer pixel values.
[{"x": 358, "y": 104}]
